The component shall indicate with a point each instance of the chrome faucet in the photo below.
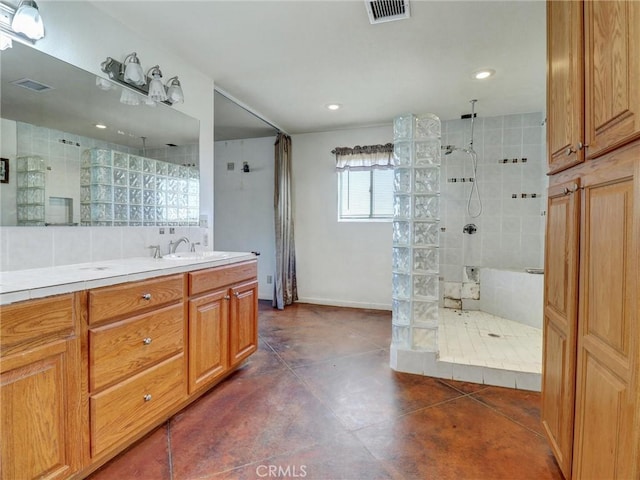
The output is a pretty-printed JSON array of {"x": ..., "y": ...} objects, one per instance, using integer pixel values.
[{"x": 174, "y": 245}]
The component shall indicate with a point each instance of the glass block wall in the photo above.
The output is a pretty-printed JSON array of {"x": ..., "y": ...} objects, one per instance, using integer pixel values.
[
  {"x": 123, "y": 189},
  {"x": 416, "y": 232},
  {"x": 30, "y": 190}
]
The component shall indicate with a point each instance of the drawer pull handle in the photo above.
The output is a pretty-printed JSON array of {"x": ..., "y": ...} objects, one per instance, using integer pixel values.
[
  {"x": 147, "y": 397},
  {"x": 146, "y": 296},
  {"x": 146, "y": 341}
]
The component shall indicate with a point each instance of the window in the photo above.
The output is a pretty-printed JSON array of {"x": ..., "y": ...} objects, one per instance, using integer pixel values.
[
  {"x": 365, "y": 182},
  {"x": 365, "y": 194}
]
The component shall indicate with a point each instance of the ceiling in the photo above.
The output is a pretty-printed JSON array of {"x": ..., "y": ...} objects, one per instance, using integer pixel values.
[{"x": 288, "y": 59}]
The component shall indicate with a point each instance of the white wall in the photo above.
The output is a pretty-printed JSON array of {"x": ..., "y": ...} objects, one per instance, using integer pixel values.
[
  {"x": 81, "y": 34},
  {"x": 338, "y": 263},
  {"x": 244, "y": 203}
]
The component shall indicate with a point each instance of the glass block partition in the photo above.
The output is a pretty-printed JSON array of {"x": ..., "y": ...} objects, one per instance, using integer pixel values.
[
  {"x": 30, "y": 190},
  {"x": 122, "y": 189},
  {"x": 416, "y": 232}
]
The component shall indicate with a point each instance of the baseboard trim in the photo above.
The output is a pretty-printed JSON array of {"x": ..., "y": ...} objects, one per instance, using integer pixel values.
[{"x": 343, "y": 303}]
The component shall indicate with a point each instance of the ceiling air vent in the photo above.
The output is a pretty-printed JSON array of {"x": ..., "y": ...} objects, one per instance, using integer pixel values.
[
  {"x": 387, "y": 10},
  {"x": 32, "y": 85}
]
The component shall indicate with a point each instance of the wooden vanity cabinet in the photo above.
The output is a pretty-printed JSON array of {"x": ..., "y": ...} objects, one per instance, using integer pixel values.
[
  {"x": 137, "y": 365},
  {"x": 40, "y": 384},
  {"x": 223, "y": 321}
]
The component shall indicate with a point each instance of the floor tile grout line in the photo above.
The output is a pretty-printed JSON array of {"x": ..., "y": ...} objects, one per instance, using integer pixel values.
[
  {"x": 501, "y": 413},
  {"x": 170, "y": 449}
]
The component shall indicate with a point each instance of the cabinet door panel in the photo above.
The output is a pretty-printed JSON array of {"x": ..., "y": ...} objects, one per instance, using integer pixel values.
[
  {"x": 560, "y": 320},
  {"x": 606, "y": 404},
  {"x": 35, "y": 418},
  {"x": 565, "y": 84},
  {"x": 612, "y": 102},
  {"x": 208, "y": 338},
  {"x": 243, "y": 324}
]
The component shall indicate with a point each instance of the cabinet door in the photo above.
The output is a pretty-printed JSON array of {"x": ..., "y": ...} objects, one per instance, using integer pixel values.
[
  {"x": 208, "y": 338},
  {"x": 565, "y": 84},
  {"x": 612, "y": 51},
  {"x": 560, "y": 320},
  {"x": 40, "y": 428},
  {"x": 606, "y": 432},
  {"x": 243, "y": 322}
]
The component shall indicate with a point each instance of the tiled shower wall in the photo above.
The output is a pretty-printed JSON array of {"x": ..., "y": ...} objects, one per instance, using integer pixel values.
[{"x": 512, "y": 183}]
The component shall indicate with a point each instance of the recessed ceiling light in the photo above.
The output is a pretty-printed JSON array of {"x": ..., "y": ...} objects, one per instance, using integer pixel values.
[
  {"x": 482, "y": 74},
  {"x": 100, "y": 125},
  {"x": 333, "y": 106}
]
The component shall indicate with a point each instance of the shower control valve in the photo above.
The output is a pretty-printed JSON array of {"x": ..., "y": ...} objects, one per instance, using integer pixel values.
[{"x": 470, "y": 228}]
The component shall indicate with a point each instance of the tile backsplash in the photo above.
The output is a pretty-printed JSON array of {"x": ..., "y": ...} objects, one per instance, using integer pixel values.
[{"x": 37, "y": 247}]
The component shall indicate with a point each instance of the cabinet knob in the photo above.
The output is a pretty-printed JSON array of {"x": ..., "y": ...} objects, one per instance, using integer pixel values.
[
  {"x": 147, "y": 397},
  {"x": 581, "y": 145},
  {"x": 227, "y": 297},
  {"x": 146, "y": 341},
  {"x": 236, "y": 294},
  {"x": 569, "y": 151},
  {"x": 146, "y": 296}
]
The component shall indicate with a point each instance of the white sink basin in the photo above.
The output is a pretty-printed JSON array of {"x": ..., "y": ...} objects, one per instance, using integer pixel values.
[{"x": 208, "y": 255}]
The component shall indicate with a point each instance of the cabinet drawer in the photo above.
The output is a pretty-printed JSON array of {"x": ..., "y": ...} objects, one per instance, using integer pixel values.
[
  {"x": 128, "y": 407},
  {"x": 119, "y": 349},
  {"x": 212, "y": 278},
  {"x": 133, "y": 297},
  {"x": 36, "y": 320}
]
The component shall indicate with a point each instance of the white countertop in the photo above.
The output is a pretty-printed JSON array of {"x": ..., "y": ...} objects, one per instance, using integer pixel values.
[{"x": 19, "y": 285}]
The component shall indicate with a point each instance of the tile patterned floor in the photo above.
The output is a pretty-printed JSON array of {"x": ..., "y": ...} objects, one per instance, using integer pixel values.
[
  {"x": 318, "y": 401},
  {"x": 479, "y": 338}
]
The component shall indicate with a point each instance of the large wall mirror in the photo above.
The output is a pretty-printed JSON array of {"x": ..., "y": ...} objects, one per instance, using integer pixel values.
[{"x": 60, "y": 168}]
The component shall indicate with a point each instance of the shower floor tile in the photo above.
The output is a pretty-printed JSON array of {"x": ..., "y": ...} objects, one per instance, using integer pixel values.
[{"x": 481, "y": 339}]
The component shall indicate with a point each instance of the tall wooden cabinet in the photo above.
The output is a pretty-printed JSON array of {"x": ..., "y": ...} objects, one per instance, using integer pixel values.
[{"x": 591, "y": 365}]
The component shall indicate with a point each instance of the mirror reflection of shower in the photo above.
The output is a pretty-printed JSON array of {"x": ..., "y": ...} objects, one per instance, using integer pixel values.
[{"x": 474, "y": 208}]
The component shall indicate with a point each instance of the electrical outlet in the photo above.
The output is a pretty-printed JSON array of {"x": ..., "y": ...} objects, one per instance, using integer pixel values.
[
  {"x": 269, "y": 279},
  {"x": 204, "y": 220},
  {"x": 231, "y": 166}
]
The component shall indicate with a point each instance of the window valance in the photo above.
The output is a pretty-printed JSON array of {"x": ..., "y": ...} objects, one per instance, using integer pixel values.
[{"x": 364, "y": 157}]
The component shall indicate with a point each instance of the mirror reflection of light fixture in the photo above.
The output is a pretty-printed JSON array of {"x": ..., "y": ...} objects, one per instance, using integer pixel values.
[
  {"x": 129, "y": 98},
  {"x": 174, "y": 92},
  {"x": 133, "y": 72},
  {"x": 129, "y": 73},
  {"x": 156, "y": 87},
  {"x": 27, "y": 20}
]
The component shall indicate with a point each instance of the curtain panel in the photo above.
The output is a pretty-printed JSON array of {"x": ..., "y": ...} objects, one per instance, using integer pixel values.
[
  {"x": 364, "y": 158},
  {"x": 285, "y": 282}
]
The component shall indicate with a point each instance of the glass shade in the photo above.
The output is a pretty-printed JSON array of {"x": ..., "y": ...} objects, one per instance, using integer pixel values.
[
  {"x": 129, "y": 98},
  {"x": 156, "y": 88},
  {"x": 133, "y": 72},
  {"x": 27, "y": 20},
  {"x": 174, "y": 93}
]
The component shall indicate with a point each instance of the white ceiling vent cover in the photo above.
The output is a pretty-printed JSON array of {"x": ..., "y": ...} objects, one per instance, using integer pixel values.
[
  {"x": 387, "y": 10},
  {"x": 32, "y": 85}
]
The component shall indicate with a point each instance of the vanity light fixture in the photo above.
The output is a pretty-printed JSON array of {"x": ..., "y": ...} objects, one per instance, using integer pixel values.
[
  {"x": 174, "y": 91},
  {"x": 23, "y": 24},
  {"x": 156, "y": 88},
  {"x": 27, "y": 20},
  {"x": 133, "y": 72},
  {"x": 130, "y": 74}
]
